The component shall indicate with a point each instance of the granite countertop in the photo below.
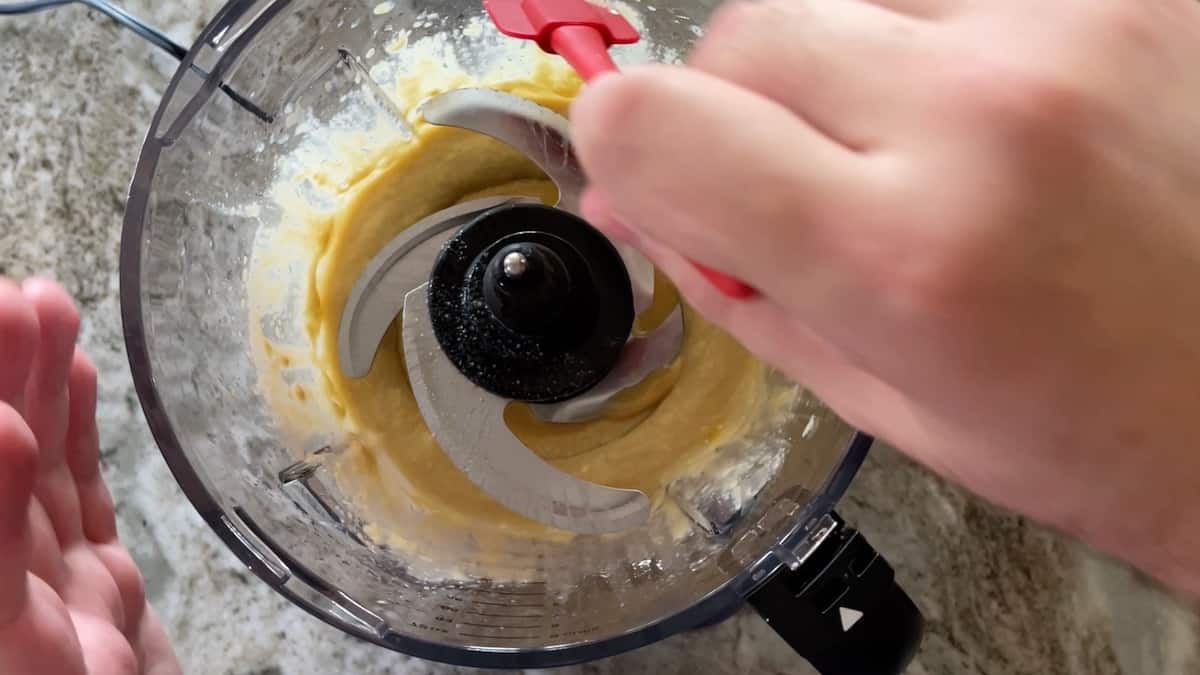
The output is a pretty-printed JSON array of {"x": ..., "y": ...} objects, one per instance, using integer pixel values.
[{"x": 76, "y": 95}]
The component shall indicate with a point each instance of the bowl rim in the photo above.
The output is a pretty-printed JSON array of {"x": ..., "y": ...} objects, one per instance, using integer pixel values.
[{"x": 718, "y": 603}]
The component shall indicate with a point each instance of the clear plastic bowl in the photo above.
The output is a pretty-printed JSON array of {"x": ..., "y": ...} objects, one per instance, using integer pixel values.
[{"x": 264, "y": 78}]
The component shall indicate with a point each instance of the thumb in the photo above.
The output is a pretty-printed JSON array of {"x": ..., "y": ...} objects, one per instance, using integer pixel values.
[{"x": 717, "y": 173}]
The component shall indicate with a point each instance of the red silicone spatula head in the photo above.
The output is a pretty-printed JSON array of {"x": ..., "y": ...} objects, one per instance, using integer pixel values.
[
  {"x": 581, "y": 32},
  {"x": 577, "y": 30},
  {"x": 537, "y": 19}
]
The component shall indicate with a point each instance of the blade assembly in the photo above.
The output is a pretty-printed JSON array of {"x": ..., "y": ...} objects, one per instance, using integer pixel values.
[{"x": 502, "y": 300}]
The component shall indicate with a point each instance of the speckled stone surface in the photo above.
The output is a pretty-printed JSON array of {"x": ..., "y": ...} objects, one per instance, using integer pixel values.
[{"x": 76, "y": 95}]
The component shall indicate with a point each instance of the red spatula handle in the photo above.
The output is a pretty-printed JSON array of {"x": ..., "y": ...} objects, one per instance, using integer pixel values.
[
  {"x": 584, "y": 48},
  {"x": 581, "y": 33}
]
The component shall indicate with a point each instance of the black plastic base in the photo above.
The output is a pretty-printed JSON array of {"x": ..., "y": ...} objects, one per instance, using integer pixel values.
[{"x": 842, "y": 609}]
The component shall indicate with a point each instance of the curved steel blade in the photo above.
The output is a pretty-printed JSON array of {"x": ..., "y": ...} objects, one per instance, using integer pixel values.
[
  {"x": 468, "y": 424},
  {"x": 642, "y": 355},
  {"x": 544, "y": 137},
  {"x": 378, "y": 296},
  {"x": 535, "y": 131}
]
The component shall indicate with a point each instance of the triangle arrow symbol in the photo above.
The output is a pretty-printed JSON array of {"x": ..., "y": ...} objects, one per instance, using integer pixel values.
[{"x": 849, "y": 617}]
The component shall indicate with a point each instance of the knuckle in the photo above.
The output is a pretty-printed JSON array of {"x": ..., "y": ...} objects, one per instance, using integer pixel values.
[
  {"x": 965, "y": 253},
  {"x": 623, "y": 108},
  {"x": 1015, "y": 100},
  {"x": 1125, "y": 22},
  {"x": 108, "y": 650},
  {"x": 732, "y": 20},
  {"x": 130, "y": 587},
  {"x": 128, "y": 578},
  {"x": 735, "y": 38},
  {"x": 18, "y": 445},
  {"x": 930, "y": 259},
  {"x": 602, "y": 111},
  {"x": 929, "y": 283}
]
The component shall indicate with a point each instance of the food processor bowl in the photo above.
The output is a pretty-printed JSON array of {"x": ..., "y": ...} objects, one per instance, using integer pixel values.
[{"x": 268, "y": 79}]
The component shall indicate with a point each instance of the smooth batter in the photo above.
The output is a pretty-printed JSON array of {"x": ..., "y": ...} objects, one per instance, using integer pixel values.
[{"x": 649, "y": 435}]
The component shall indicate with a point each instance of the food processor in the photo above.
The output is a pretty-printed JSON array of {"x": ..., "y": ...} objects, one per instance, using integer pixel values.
[{"x": 465, "y": 292}]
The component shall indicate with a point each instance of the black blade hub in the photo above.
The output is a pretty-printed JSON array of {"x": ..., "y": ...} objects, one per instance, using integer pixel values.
[{"x": 531, "y": 303}]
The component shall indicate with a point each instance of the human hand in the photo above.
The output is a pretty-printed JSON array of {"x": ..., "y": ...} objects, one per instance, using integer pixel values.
[
  {"x": 71, "y": 598},
  {"x": 975, "y": 227}
]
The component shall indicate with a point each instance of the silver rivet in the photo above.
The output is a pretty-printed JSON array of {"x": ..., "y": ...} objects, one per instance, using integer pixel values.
[{"x": 515, "y": 265}]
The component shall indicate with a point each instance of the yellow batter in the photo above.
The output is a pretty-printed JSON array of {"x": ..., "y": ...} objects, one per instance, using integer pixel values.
[{"x": 649, "y": 436}]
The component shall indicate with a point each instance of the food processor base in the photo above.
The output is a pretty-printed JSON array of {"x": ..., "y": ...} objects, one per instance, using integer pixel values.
[{"x": 841, "y": 608}]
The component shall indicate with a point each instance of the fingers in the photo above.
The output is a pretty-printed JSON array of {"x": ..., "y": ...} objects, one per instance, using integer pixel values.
[
  {"x": 741, "y": 318},
  {"x": 738, "y": 183},
  {"x": 765, "y": 328},
  {"x": 46, "y": 390},
  {"x": 46, "y": 404},
  {"x": 153, "y": 647},
  {"x": 112, "y": 586},
  {"x": 42, "y": 639},
  {"x": 18, "y": 470},
  {"x": 18, "y": 448},
  {"x": 91, "y": 589},
  {"x": 838, "y": 65},
  {"x": 129, "y": 583},
  {"x": 46, "y": 558},
  {"x": 83, "y": 453},
  {"x": 18, "y": 343},
  {"x": 105, "y": 649},
  {"x": 692, "y": 286}
]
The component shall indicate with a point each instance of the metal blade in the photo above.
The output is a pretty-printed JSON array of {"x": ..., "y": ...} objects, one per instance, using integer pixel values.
[
  {"x": 544, "y": 137},
  {"x": 641, "y": 357},
  {"x": 378, "y": 296},
  {"x": 468, "y": 424},
  {"x": 535, "y": 131}
]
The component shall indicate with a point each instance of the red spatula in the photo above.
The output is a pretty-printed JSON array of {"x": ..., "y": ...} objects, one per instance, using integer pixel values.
[{"x": 582, "y": 32}]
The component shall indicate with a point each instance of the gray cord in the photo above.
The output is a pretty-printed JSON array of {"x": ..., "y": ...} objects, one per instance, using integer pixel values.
[
  {"x": 27, "y": 7},
  {"x": 147, "y": 32},
  {"x": 141, "y": 28}
]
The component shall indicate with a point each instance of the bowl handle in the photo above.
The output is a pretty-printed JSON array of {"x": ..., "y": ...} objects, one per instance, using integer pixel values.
[{"x": 842, "y": 610}]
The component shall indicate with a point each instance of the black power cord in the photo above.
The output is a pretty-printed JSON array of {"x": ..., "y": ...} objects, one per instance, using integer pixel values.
[{"x": 141, "y": 28}]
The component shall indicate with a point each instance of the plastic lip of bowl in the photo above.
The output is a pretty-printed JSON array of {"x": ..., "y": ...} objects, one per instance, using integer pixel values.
[{"x": 716, "y": 604}]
